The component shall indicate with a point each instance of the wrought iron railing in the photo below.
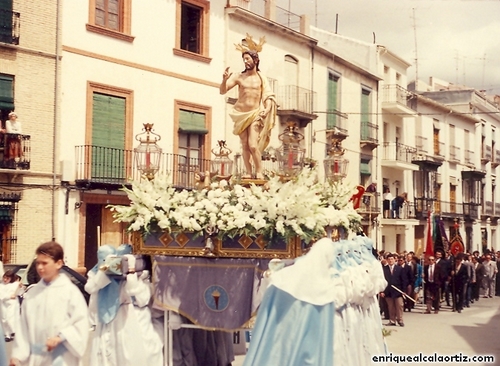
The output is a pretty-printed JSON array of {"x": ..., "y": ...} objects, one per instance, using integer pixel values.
[
  {"x": 287, "y": 18},
  {"x": 471, "y": 210},
  {"x": 399, "y": 152},
  {"x": 16, "y": 151},
  {"x": 486, "y": 153},
  {"x": 421, "y": 144},
  {"x": 370, "y": 204},
  {"x": 469, "y": 157},
  {"x": 439, "y": 150},
  {"x": 496, "y": 212},
  {"x": 395, "y": 94},
  {"x": 488, "y": 208},
  {"x": 292, "y": 97},
  {"x": 449, "y": 209},
  {"x": 496, "y": 158},
  {"x": 454, "y": 153},
  {"x": 369, "y": 132},
  {"x": 109, "y": 166},
  {"x": 336, "y": 122},
  {"x": 10, "y": 22}
]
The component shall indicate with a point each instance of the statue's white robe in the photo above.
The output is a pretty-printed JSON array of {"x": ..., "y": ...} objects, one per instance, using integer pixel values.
[{"x": 48, "y": 310}]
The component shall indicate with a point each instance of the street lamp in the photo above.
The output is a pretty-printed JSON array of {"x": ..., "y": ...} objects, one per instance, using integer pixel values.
[
  {"x": 335, "y": 165},
  {"x": 290, "y": 154},
  {"x": 148, "y": 153}
]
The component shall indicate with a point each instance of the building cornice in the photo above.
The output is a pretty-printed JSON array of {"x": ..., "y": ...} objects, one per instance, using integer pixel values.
[{"x": 139, "y": 66}]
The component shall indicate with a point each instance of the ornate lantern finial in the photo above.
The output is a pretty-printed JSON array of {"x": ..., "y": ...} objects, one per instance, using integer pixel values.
[
  {"x": 222, "y": 166},
  {"x": 148, "y": 153},
  {"x": 290, "y": 154},
  {"x": 335, "y": 165}
]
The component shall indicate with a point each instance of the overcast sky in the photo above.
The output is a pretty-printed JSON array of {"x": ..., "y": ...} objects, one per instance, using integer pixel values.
[{"x": 457, "y": 40}]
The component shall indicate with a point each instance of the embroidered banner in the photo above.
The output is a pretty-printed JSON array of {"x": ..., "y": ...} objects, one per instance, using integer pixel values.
[{"x": 214, "y": 293}]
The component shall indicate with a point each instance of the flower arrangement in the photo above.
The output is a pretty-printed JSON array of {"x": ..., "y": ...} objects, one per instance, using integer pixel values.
[{"x": 301, "y": 207}]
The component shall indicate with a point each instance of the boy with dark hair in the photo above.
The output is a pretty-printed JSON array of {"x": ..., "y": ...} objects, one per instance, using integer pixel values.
[{"x": 54, "y": 317}]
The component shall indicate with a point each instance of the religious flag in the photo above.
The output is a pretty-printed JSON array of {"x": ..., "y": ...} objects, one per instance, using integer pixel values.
[
  {"x": 214, "y": 293},
  {"x": 456, "y": 243},
  {"x": 429, "y": 249}
]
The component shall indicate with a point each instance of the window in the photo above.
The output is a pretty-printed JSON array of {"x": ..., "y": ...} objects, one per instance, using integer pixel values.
[
  {"x": 7, "y": 93},
  {"x": 333, "y": 99},
  {"x": 111, "y": 18},
  {"x": 365, "y": 105},
  {"x": 8, "y": 226},
  {"x": 192, "y": 29},
  {"x": 108, "y": 136},
  {"x": 192, "y": 142}
]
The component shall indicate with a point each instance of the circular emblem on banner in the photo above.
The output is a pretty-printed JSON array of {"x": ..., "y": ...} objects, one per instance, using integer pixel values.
[{"x": 216, "y": 298}]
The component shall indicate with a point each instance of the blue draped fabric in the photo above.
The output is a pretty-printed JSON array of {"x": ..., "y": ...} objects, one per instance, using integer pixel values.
[
  {"x": 291, "y": 332},
  {"x": 108, "y": 300}
]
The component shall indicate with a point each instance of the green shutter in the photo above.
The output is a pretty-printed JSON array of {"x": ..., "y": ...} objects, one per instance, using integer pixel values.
[
  {"x": 108, "y": 136},
  {"x": 6, "y": 92},
  {"x": 333, "y": 84},
  {"x": 365, "y": 106},
  {"x": 6, "y": 21},
  {"x": 192, "y": 122},
  {"x": 364, "y": 168}
]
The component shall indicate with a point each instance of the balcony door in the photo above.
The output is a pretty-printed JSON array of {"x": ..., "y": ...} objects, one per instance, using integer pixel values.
[{"x": 108, "y": 142}]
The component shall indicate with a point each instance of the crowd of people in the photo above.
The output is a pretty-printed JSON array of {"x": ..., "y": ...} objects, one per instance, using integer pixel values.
[
  {"x": 458, "y": 281},
  {"x": 52, "y": 324}
]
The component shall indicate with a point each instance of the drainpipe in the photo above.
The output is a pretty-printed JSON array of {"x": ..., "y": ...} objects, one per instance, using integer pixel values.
[
  {"x": 312, "y": 103},
  {"x": 56, "y": 117}
]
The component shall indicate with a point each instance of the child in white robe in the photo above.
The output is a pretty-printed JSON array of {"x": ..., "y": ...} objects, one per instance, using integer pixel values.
[
  {"x": 54, "y": 316},
  {"x": 9, "y": 304}
]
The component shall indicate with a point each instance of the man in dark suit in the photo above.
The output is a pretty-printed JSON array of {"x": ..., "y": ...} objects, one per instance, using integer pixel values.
[
  {"x": 408, "y": 273},
  {"x": 394, "y": 276},
  {"x": 433, "y": 279},
  {"x": 444, "y": 265}
]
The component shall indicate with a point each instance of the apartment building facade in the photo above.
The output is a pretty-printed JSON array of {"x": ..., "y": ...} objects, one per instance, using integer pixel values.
[
  {"x": 464, "y": 124},
  {"x": 29, "y": 181}
]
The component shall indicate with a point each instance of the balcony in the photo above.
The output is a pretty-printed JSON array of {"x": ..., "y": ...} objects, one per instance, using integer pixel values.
[
  {"x": 369, "y": 205},
  {"x": 448, "y": 209},
  {"x": 496, "y": 211},
  {"x": 454, "y": 154},
  {"x": 296, "y": 103},
  {"x": 487, "y": 208},
  {"x": 423, "y": 206},
  {"x": 108, "y": 168},
  {"x": 496, "y": 159},
  {"x": 336, "y": 125},
  {"x": 439, "y": 150},
  {"x": 394, "y": 99},
  {"x": 369, "y": 135},
  {"x": 396, "y": 155},
  {"x": 486, "y": 154},
  {"x": 421, "y": 145},
  {"x": 15, "y": 150},
  {"x": 9, "y": 26},
  {"x": 469, "y": 158},
  {"x": 471, "y": 210}
]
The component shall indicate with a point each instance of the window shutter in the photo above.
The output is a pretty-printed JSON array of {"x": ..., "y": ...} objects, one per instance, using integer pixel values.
[
  {"x": 364, "y": 168},
  {"x": 192, "y": 122},
  {"x": 6, "y": 91},
  {"x": 108, "y": 137},
  {"x": 331, "y": 119},
  {"x": 6, "y": 21},
  {"x": 365, "y": 106}
]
